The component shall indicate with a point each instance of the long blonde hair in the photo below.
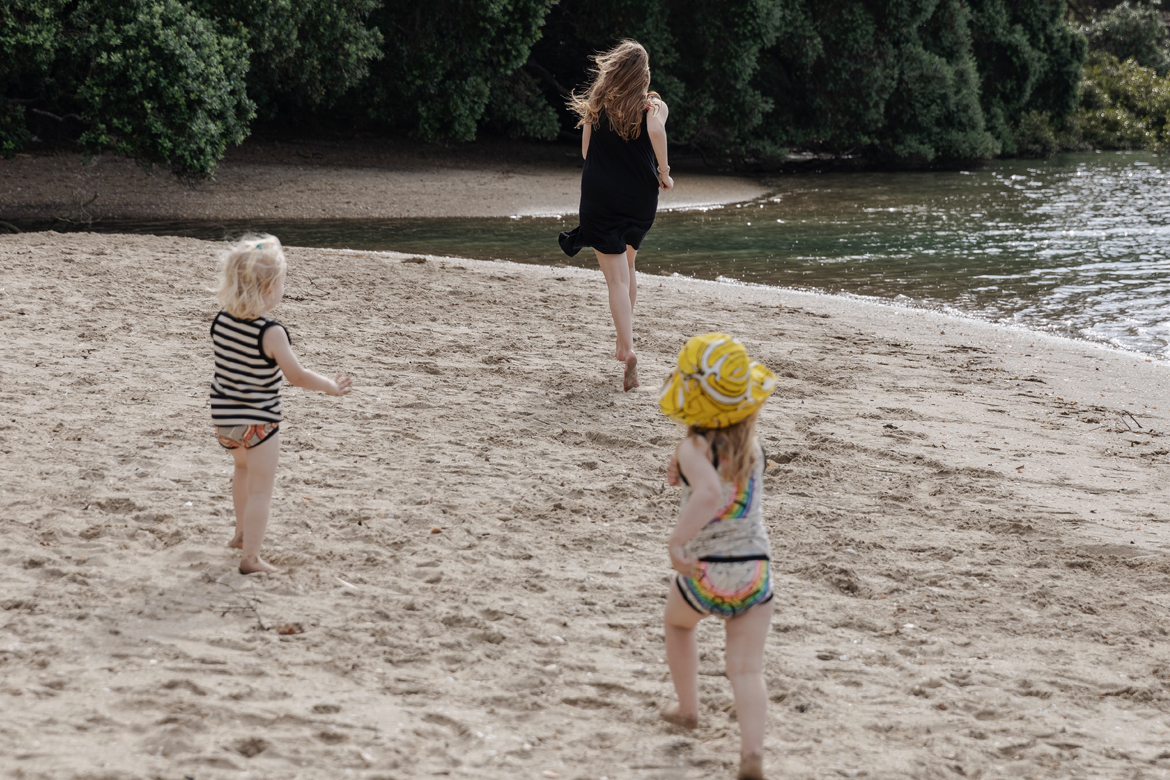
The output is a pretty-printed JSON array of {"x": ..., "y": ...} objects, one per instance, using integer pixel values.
[
  {"x": 736, "y": 445},
  {"x": 619, "y": 85},
  {"x": 249, "y": 270}
]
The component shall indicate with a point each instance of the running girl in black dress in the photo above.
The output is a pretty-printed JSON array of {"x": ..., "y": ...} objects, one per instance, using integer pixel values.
[{"x": 624, "y": 146}]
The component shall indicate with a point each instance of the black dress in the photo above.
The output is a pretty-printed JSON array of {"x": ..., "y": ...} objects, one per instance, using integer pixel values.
[{"x": 619, "y": 192}]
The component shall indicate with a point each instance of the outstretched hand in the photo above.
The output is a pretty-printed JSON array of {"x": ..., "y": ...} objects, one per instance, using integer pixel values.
[{"x": 342, "y": 385}]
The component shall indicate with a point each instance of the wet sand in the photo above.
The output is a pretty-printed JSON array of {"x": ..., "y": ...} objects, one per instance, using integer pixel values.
[
  {"x": 333, "y": 181},
  {"x": 968, "y": 521}
]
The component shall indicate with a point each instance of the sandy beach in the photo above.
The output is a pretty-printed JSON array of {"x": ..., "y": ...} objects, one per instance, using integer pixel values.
[
  {"x": 321, "y": 180},
  {"x": 969, "y": 525}
]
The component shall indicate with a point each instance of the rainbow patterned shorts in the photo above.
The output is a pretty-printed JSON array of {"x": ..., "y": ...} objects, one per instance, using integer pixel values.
[{"x": 727, "y": 587}]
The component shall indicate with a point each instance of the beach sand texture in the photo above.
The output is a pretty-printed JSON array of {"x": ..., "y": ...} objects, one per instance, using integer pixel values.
[
  {"x": 969, "y": 532},
  {"x": 324, "y": 181}
]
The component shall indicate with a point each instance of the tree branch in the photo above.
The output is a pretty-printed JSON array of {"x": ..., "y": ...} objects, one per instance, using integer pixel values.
[
  {"x": 548, "y": 77},
  {"x": 54, "y": 116}
]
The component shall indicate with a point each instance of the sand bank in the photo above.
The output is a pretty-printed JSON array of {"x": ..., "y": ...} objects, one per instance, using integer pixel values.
[
  {"x": 969, "y": 527},
  {"x": 326, "y": 181}
]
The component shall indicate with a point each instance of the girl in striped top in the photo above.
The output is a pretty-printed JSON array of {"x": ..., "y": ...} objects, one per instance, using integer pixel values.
[{"x": 253, "y": 357}]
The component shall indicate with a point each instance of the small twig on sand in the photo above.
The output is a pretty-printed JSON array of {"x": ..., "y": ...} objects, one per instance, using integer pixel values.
[
  {"x": 249, "y": 603},
  {"x": 1125, "y": 414}
]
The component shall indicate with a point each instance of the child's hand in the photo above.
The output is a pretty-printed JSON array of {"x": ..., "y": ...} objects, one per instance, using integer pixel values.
[
  {"x": 341, "y": 385},
  {"x": 672, "y": 472},
  {"x": 687, "y": 567}
]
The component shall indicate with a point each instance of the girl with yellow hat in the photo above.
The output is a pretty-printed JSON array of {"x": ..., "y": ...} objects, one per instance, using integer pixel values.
[{"x": 719, "y": 547}]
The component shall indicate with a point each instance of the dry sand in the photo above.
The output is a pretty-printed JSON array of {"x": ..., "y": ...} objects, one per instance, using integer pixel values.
[
  {"x": 968, "y": 521},
  {"x": 332, "y": 181}
]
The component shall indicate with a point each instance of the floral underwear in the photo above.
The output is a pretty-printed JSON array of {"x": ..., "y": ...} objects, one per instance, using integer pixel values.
[{"x": 247, "y": 436}]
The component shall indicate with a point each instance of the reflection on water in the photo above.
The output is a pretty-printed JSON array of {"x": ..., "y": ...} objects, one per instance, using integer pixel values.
[{"x": 1076, "y": 245}]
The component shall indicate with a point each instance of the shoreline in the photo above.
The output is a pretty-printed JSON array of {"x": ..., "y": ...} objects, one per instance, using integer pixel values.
[
  {"x": 330, "y": 181},
  {"x": 948, "y": 313},
  {"x": 968, "y": 526}
]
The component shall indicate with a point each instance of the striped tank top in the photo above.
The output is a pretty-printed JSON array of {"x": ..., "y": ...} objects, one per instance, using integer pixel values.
[{"x": 246, "y": 387}]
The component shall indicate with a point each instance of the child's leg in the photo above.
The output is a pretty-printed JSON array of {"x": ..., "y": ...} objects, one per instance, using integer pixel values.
[
  {"x": 631, "y": 254},
  {"x": 682, "y": 655},
  {"x": 745, "y": 668},
  {"x": 239, "y": 494},
  {"x": 261, "y": 465}
]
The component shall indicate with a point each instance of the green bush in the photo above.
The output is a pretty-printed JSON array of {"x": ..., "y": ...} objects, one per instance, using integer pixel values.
[
  {"x": 1036, "y": 136},
  {"x": 893, "y": 78},
  {"x": 172, "y": 82},
  {"x": 160, "y": 84},
  {"x": 913, "y": 80},
  {"x": 517, "y": 108},
  {"x": 1124, "y": 105},
  {"x": 1132, "y": 32},
  {"x": 147, "y": 78},
  {"x": 444, "y": 58},
  {"x": 30, "y": 38},
  {"x": 1029, "y": 59},
  {"x": 303, "y": 53}
]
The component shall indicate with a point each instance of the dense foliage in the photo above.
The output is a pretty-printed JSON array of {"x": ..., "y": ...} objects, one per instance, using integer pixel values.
[
  {"x": 161, "y": 84},
  {"x": 173, "y": 82},
  {"x": 304, "y": 53},
  {"x": 1132, "y": 32},
  {"x": 446, "y": 58},
  {"x": 1125, "y": 106},
  {"x": 703, "y": 58},
  {"x": 896, "y": 78},
  {"x": 902, "y": 79},
  {"x": 152, "y": 80},
  {"x": 169, "y": 82},
  {"x": 1124, "y": 95}
]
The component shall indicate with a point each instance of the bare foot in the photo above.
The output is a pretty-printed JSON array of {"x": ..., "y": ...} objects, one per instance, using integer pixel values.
[
  {"x": 672, "y": 715},
  {"x": 630, "y": 380},
  {"x": 237, "y": 542},
  {"x": 751, "y": 767},
  {"x": 254, "y": 564}
]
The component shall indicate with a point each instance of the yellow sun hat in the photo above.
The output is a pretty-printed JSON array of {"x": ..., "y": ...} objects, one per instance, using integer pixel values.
[{"x": 715, "y": 385}]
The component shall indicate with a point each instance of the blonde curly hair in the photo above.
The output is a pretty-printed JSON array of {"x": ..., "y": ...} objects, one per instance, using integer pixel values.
[{"x": 247, "y": 273}]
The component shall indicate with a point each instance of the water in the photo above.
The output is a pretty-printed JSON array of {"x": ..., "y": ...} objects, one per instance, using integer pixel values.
[{"x": 1076, "y": 245}]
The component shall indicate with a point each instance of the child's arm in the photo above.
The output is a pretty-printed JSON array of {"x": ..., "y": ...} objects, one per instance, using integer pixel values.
[
  {"x": 276, "y": 346},
  {"x": 702, "y": 505},
  {"x": 672, "y": 472}
]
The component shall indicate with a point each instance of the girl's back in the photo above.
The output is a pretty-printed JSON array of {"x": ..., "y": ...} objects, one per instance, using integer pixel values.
[
  {"x": 737, "y": 529},
  {"x": 619, "y": 169}
]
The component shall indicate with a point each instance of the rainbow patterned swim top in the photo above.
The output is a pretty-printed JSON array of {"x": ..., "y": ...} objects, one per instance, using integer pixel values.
[{"x": 738, "y": 528}]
